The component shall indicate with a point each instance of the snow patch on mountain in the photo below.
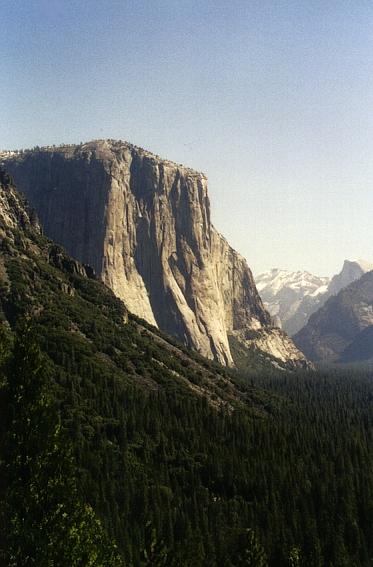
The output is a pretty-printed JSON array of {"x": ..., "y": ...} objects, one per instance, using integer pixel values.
[{"x": 291, "y": 297}]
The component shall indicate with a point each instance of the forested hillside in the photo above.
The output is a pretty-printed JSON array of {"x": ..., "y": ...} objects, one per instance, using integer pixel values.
[
  {"x": 181, "y": 463},
  {"x": 177, "y": 482}
]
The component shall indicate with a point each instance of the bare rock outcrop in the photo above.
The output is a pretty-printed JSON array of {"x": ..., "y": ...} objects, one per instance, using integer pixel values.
[
  {"x": 144, "y": 225},
  {"x": 342, "y": 330}
]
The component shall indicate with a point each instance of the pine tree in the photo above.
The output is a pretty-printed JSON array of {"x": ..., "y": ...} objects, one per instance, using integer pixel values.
[
  {"x": 154, "y": 553},
  {"x": 46, "y": 523},
  {"x": 253, "y": 554}
]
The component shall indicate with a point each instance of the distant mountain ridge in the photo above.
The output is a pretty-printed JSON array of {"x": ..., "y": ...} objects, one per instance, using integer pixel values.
[
  {"x": 352, "y": 270},
  {"x": 292, "y": 297},
  {"x": 144, "y": 225},
  {"x": 342, "y": 330},
  {"x": 163, "y": 437}
]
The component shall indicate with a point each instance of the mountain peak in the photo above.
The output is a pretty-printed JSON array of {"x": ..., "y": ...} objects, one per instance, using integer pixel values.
[
  {"x": 103, "y": 149},
  {"x": 341, "y": 331},
  {"x": 351, "y": 271},
  {"x": 291, "y": 296},
  {"x": 294, "y": 296},
  {"x": 363, "y": 264},
  {"x": 144, "y": 225}
]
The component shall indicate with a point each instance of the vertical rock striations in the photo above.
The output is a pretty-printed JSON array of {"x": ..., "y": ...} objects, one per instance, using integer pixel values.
[{"x": 144, "y": 225}]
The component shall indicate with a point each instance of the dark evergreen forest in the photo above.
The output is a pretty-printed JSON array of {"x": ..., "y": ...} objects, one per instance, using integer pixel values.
[
  {"x": 120, "y": 447},
  {"x": 174, "y": 481}
]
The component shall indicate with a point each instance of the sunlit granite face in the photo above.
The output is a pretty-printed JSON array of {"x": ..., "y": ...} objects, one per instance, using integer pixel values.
[{"x": 144, "y": 225}]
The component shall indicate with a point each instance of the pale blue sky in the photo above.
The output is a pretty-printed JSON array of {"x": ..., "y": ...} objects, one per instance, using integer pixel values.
[{"x": 273, "y": 100}]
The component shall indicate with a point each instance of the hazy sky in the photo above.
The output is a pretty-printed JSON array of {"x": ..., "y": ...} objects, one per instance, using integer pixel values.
[{"x": 273, "y": 100}]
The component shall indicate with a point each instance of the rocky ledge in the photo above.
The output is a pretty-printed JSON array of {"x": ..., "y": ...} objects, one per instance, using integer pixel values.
[{"x": 144, "y": 225}]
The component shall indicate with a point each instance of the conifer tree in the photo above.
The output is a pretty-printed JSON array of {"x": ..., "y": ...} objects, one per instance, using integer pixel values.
[
  {"x": 253, "y": 554},
  {"x": 45, "y": 522}
]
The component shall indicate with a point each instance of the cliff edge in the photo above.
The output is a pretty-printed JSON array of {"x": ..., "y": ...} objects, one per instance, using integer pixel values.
[{"x": 144, "y": 225}]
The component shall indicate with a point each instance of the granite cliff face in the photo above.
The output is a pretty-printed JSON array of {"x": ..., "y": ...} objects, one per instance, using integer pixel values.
[
  {"x": 144, "y": 225},
  {"x": 342, "y": 330},
  {"x": 351, "y": 271}
]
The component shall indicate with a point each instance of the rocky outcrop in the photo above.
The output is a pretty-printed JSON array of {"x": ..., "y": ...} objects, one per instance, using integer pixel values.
[
  {"x": 291, "y": 297},
  {"x": 144, "y": 225},
  {"x": 14, "y": 211},
  {"x": 341, "y": 331},
  {"x": 351, "y": 271},
  {"x": 18, "y": 221},
  {"x": 271, "y": 345}
]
